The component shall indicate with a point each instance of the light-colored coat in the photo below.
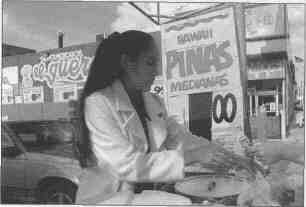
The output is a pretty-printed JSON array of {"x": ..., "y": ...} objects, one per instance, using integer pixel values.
[{"x": 120, "y": 144}]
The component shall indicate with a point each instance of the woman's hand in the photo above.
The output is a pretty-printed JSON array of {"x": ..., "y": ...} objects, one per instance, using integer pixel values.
[
  {"x": 216, "y": 157},
  {"x": 201, "y": 154}
]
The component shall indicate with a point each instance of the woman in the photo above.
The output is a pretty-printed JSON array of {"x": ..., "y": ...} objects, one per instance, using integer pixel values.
[{"x": 127, "y": 137}]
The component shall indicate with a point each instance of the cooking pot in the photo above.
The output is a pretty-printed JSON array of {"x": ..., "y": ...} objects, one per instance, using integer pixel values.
[{"x": 223, "y": 189}]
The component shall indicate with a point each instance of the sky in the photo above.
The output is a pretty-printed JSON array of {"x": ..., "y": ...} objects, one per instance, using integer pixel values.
[{"x": 34, "y": 24}]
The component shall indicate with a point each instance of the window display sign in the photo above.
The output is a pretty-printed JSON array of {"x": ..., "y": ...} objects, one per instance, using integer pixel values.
[
  {"x": 9, "y": 82},
  {"x": 65, "y": 93},
  {"x": 265, "y": 20},
  {"x": 201, "y": 55},
  {"x": 33, "y": 95},
  {"x": 7, "y": 94}
]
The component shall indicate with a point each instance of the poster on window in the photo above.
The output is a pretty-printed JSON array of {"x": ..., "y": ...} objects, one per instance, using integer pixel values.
[
  {"x": 33, "y": 95},
  {"x": 65, "y": 93},
  {"x": 10, "y": 75},
  {"x": 9, "y": 82},
  {"x": 7, "y": 94},
  {"x": 199, "y": 59}
]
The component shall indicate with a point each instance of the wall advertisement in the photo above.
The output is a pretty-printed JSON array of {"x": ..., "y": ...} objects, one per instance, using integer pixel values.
[
  {"x": 200, "y": 55},
  {"x": 61, "y": 68},
  {"x": 57, "y": 75}
]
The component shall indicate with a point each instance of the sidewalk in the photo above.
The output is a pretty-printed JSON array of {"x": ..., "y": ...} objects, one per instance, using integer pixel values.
[
  {"x": 296, "y": 134},
  {"x": 288, "y": 174}
]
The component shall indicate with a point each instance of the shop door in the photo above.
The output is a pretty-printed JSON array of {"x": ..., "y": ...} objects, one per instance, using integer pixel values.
[
  {"x": 265, "y": 118},
  {"x": 200, "y": 121}
]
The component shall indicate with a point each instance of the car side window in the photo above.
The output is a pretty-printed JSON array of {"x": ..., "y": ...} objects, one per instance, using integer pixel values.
[
  {"x": 8, "y": 148},
  {"x": 6, "y": 140}
]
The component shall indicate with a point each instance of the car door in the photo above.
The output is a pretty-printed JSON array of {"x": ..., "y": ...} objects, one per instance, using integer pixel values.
[{"x": 12, "y": 169}]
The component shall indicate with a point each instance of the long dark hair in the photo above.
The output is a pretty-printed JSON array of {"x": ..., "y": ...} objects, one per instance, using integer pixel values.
[{"x": 104, "y": 70}]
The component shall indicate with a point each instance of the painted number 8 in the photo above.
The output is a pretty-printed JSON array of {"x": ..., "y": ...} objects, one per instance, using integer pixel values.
[{"x": 224, "y": 112}]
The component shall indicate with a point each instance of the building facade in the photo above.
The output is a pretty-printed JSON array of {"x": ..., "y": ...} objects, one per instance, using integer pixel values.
[{"x": 270, "y": 71}]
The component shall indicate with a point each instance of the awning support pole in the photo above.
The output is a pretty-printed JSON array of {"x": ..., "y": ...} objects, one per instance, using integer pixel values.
[{"x": 144, "y": 13}]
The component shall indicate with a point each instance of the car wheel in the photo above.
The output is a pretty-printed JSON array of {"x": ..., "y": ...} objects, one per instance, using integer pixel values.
[{"x": 60, "y": 193}]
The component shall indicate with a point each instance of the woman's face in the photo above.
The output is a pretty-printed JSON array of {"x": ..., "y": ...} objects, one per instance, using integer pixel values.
[{"x": 143, "y": 70}]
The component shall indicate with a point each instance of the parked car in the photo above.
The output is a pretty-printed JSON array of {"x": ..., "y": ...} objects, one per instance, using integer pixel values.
[{"x": 36, "y": 168}]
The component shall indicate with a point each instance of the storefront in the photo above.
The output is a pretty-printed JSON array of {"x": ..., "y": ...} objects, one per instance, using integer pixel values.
[
  {"x": 265, "y": 97},
  {"x": 270, "y": 71}
]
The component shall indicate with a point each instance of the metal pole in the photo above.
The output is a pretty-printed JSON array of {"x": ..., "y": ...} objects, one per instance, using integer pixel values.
[
  {"x": 240, "y": 28},
  {"x": 277, "y": 102},
  {"x": 283, "y": 110},
  {"x": 60, "y": 36},
  {"x": 144, "y": 13},
  {"x": 158, "y": 13},
  {"x": 250, "y": 104}
]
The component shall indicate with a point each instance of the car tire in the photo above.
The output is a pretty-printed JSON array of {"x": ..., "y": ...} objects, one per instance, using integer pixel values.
[{"x": 59, "y": 193}]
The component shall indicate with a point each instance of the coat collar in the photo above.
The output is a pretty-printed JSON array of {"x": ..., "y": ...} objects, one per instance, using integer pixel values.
[
  {"x": 123, "y": 104},
  {"x": 122, "y": 99}
]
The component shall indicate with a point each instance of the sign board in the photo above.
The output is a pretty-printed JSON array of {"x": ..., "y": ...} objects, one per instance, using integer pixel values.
[
  {"x": 61, "y": 68},
  {"x": 267, "y": 20},
  {"x": 201, "y": 54},
  {"x": 259, "y": 70},
  {"x": 49, "y": 76}
]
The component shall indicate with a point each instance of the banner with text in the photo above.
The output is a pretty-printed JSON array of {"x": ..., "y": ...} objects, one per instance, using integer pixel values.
[
  {"x": 200, "y": 54},
  {"x": 60, "y": 72}
]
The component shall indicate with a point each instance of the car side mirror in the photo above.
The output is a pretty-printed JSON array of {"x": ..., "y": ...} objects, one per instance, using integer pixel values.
[{"x": 11, "y": 152}]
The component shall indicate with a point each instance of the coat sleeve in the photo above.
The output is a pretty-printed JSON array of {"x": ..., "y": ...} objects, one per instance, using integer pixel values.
[
  {"x": 111, "y": 145},
  {"x": 178, "y": 136}
]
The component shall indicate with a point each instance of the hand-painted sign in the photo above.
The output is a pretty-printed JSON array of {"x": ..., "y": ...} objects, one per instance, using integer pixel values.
[
  {"x": 61, "y": 68},
  {"x": 200, "y": 55}
]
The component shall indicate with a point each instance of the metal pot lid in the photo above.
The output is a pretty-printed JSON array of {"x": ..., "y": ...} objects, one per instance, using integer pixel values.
[{"x": 211, "y": 186}]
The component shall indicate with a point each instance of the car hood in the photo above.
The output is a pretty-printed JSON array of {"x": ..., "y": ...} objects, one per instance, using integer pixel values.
[{"x": 62, "y": 150}]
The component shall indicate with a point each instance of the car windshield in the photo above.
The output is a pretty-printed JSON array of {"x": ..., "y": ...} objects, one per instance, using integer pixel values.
[{"x": 40, "y": 136}]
